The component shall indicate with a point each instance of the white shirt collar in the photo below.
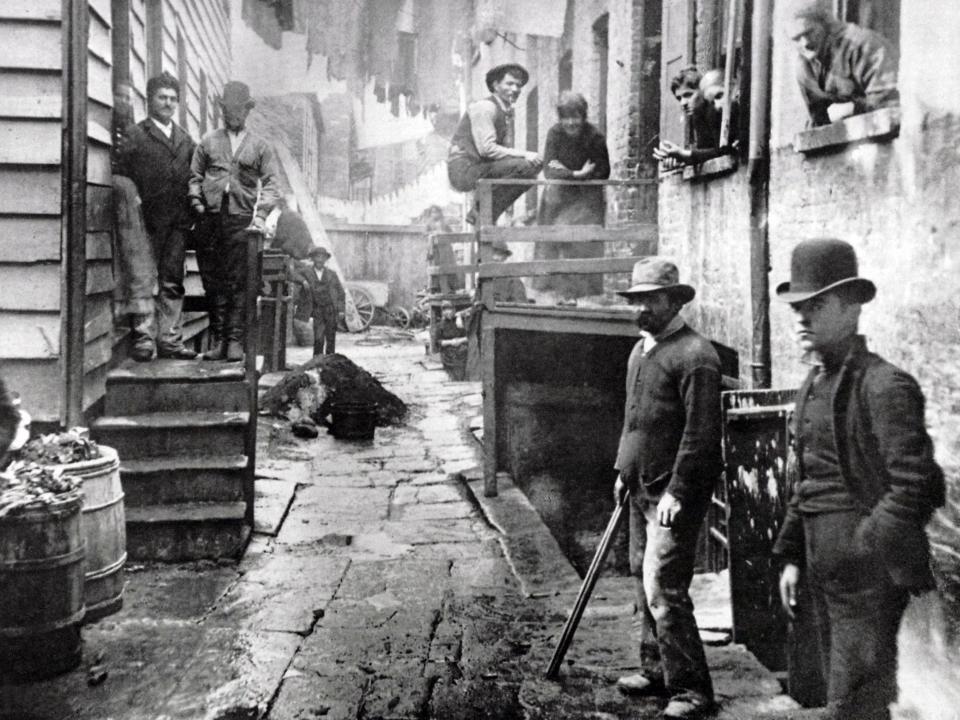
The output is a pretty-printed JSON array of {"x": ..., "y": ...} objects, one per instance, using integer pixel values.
[
  {"x": 651, "y": 341},
  {"x": 167, "y": 129}
]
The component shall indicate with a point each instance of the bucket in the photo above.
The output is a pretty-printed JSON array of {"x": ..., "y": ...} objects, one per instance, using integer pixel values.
[
  {"x": 41, "y": 573},
  {"x": 105, "y": 530},
  {"x": 353, "y": 420}
]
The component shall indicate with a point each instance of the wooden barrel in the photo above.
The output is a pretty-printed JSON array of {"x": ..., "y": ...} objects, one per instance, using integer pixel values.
[
  {"x": 104, "y": 528},
  {"x": 41, "y": 576}
]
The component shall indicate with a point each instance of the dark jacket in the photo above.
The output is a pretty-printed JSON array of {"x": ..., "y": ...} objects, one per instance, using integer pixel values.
[
  {"x": 886, "y": 459},
  {"x": 327, "y": 297},
  {"x": 856, "y": 65},
  {"x": 672, "y": 426},
  {"x": 569, "y": 204},
  {"x": 215, "y": 166},
  {"x": 160, "y": 169}
]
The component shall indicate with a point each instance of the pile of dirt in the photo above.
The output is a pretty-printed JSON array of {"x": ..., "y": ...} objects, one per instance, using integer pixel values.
[{"x": 310, "y": 390}]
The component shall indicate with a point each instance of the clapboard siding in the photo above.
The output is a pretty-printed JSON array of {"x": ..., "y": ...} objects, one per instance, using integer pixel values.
[
  {"x": 31, "y": 110},
  {"x": 36, "y": 10},
  {"x": 30, "y": 334},
  {"x": 30, "y": 239},
  {"x": 30, "y": 45},
  {"x": 98, "y": 346},
  {"x": 30, "y": 95},
  {"x": 32, "y": 315},
  {"x": 34, "y": 286},
  {"x": 29, "y": 191},
  {"x": 29, "y": 141}
]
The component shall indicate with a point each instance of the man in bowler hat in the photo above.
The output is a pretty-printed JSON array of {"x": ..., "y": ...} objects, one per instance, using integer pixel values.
[
  {"x": 669, "y": 458},
  {"x": 865, "y": 487},
  {"x": 232, "y": 188},
  {"x": 482, "y": 146}
]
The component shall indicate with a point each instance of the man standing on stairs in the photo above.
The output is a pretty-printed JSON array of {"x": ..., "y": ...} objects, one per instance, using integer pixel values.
[
  {"x": 232, "y": 188},
  {"x": 482, "y": 146},
  {"x": 156, "y": 156},
  {"x": 669, "y": 458}
]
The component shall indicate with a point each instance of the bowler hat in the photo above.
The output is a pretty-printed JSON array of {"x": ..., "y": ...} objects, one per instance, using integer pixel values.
[
  {"x": 319, "y": 251},
  {"x": 236, "y": 93},
  {"x": 653, "y": 274},
  {"x": 501, "y": 247},
  {"x": 820, "y": 265},
  {"x": 495, "y": 74}
]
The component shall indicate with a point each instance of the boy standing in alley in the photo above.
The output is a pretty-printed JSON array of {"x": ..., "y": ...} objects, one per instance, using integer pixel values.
[{"x": 327, "y": 300}]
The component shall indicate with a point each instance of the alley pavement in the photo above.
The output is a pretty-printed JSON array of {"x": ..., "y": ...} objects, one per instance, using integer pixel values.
[{"x": 380, "y": 583}]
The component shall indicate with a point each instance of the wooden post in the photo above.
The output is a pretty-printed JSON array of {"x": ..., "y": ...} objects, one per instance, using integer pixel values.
[
  {"x": 490, "y": 430},
  {"x": 731, "y": 48},
  {"x": 74, "y": 202},
  {"x": 250, "y": 336}
]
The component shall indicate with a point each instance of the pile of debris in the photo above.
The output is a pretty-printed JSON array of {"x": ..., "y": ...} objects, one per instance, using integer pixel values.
[
  {"x": 71, "y": 446},
  {"x": 27, "y": 485},
  {"x": 309, "y": 391}
]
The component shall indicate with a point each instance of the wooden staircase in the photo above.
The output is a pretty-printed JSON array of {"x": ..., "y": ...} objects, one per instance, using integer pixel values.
[{"x": 185, "y": 435}]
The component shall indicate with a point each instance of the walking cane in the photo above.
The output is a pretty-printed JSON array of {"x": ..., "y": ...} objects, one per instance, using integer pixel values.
[{"x": 589, "y": 582}]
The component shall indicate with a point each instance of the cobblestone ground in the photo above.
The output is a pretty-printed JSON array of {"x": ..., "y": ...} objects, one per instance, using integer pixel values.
[{"x": 391, "y": 589}]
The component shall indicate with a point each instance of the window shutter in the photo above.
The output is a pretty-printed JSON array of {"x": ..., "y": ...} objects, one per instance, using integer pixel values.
[{"x": 676, "y": 56}]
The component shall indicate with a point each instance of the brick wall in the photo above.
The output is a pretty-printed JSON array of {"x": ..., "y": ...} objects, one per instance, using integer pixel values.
[{"x": 895, "y": 201}]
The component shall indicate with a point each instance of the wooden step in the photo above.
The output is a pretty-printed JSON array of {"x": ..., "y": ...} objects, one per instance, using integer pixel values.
[
  {"x": 175, "y": 386},
  {"x": 187, "y": 531},
  {"x": 173, "y": 434},
  {"x": 182, "y": 479}
]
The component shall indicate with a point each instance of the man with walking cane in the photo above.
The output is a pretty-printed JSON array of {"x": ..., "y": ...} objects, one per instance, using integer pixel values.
[{"x": 669, "y": 459}]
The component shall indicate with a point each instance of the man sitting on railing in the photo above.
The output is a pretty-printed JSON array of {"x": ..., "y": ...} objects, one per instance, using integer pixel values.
[{"x": 482, "y": 146}]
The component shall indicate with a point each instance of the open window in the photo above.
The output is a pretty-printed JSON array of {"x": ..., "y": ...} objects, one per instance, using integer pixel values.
[
  {"x": 717, "y": 45},
  {"x": 883, "y": 17}
]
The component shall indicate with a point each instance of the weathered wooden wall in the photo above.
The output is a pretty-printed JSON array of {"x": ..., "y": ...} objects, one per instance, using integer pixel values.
[
  {"x": 32, "y": 226},
  {"x": 396, "y": 255},
  {"x": 31, "y": 68}
]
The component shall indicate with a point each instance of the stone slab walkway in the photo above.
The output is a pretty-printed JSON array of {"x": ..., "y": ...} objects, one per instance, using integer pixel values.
[{"x": 380, "y": 585}]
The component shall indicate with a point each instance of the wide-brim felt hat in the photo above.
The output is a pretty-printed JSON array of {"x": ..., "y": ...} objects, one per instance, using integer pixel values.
[
  {"x": 496, "y": 73},
  {"x": 236, "y": 93},
  {"x": 821, "y": 265},
  {"x": 654, "y": 274},
  {"x": 319, "y": 251}
]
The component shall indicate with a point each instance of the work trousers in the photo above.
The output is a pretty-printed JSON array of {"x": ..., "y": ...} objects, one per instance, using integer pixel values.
[
  {"x": 662, "y": 560},
  {"x": 325, "y": 331},
  {"x": 857, "y": 612},
  {"x": 222, "y": 260},
  {"x": 464, "y": 173},
  {"x": 134, "y": 267},
  {"x": 169, "y": 252}
]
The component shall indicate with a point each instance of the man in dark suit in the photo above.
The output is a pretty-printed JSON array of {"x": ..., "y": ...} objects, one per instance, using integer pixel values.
[
  {"x": 323, "y": 289},
  {"x": 156, "y": 156},
  {"x": 867, "y": 484}
]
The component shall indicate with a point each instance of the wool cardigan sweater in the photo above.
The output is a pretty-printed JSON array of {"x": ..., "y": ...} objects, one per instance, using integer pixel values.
[
  {"x": 672, "y": 424},
  {"x": 250, "y": 173}
]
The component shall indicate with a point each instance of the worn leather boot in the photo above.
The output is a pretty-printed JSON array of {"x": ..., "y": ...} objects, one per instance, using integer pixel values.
[{"x": 218, "y": 343}]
